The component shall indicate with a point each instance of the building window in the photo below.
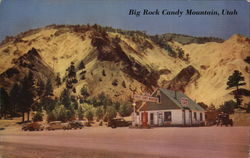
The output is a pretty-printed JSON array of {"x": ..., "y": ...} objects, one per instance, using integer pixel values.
[
  {"x": 195, "y": 116},
  {"x": 151, "y": 116},
  {"x": 167, "y": 116},
  {"x": 201, "y": 117}
]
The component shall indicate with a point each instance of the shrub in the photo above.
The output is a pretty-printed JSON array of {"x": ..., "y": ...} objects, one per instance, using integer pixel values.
[
  {"x": 110, "y": 113},
  {"x": 99, "y": 113},
  {"x": 84, "y": 92},
  {"x": 228, "y": 107},
  {"x": 80, "y": 112},
  {"x": 88, "y": 111},
  {"x": 38, "y": 117},
  {"x": 81, "y": 66},
  {"x": 125, "y": 110}
]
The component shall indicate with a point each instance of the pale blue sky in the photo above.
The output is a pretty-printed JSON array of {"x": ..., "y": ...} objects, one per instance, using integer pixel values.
[{"x": 20, "y": 15}]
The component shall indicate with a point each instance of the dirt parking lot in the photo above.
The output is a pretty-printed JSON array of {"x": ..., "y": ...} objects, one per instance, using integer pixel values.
[{"x": 103, "y": 142}]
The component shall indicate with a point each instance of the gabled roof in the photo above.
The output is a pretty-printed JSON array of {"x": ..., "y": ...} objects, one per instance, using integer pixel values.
[{"x": 170, "y": 100}]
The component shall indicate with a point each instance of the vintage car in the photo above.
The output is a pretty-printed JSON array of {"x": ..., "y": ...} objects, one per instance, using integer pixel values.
[
  {"x": 223, "y": 119},
  {"x": 54, "y": 125},
  {"x": 34, "y": 126},
  {"x": 72, "y": 125},
  {"x": 118, "y": 122},
  {"x": 76, "y": 124}
]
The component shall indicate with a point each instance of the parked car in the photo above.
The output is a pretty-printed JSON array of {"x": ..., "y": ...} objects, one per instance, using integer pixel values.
[
  {"x": 118, "y": 122},
  {"x": 66, "y": 126},
  {"x": 55, "y": 125},
  {"x": 223, "y": 119},
  {"x": 76, "y": 124},
  {"x": 34, "y": 126}
]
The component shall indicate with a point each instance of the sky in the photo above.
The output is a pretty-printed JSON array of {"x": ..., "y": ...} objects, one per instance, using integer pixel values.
[{"x": 21, "y": 15}]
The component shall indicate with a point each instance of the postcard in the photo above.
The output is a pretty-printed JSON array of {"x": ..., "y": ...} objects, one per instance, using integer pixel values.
[{"x": 124, "y": 79}]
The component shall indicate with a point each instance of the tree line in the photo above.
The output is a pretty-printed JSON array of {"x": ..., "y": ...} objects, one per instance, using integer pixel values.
[{"x": 37, "y": 95}]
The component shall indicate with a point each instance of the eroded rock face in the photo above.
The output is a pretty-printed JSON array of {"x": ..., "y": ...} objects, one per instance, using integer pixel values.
[
  {"x": 31, "y": 61},
  {"x": 109, "y": 50},
  {"x": 186, "y": 76}
]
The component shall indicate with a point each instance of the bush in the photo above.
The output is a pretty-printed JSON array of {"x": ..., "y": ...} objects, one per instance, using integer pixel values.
[
  {"x": 38, "y": 117},
  {"x": 88, "y": 111},
  {"x": 99, "y": 113},
  {"x": 81, "y": 66},
  {"x": 80, "y": 112},
  {"x": 228, "y": 107},
  {"x": 84, "y": 92},
  {"x": 60, "y": 113},
  {"x": 110, "y": 113},
  {"x": 125, "y": 110}
]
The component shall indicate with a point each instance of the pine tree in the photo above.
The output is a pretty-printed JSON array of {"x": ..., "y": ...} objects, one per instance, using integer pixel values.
[
  {"x": 236, "y": 80},
  {"x": 40, "y": 88},
  {"x": 4, "y": 102},
  {"x": 48, "y": 89},
  {"x": 84, "y": 92},
  {"x": 27, "y": 94},
  {"x": 65, "y": 98},
  {"x": 14, "y": 98}
]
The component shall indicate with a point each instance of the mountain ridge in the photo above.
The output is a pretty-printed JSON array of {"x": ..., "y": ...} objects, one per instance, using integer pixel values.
[{"x": 119, "y": 62}]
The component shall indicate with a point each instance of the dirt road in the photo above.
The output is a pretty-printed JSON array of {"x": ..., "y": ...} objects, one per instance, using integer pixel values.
[{"x": 102, "y": 142}]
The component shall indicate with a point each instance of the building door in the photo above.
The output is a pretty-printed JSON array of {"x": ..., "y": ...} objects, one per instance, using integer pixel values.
[
  {"x": 160, "y": 119},
  {"x": 144, "y": 118},
  {"x": 151, "y": 118}
]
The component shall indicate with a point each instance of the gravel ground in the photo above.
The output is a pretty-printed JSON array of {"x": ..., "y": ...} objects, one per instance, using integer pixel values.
[{"x": 102, "y": 142}]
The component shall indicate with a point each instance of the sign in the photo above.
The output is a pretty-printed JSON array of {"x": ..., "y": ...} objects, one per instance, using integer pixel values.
[
  {"x": 184, "y": 101},
  {"x": 146, "y": 98}
]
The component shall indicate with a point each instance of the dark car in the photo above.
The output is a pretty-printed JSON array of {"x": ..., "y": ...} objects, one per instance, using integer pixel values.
[
  {"x": 118, "y": 122},
  {"x": 76, "y": 124},
  {"x": 35, "y": 126},
  {"x": 223, "y": 119}
]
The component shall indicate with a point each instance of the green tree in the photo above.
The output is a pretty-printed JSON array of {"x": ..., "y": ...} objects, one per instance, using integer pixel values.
[
  {"x": 110, "y": 113},
  {"x": 40, "y": 88},
  {"x": 48, "y": 89},
  {"x": 65, "y": 98},
  {"x": 27, "y": 95},
  {"x": 236, "y": 80},
  {"x": 84, "y": 92},
  {"x": 38, "y": 117},
  {"x": 88, "y": 111},
  {"x": 81, "y": 65},
  {"x": 99, "y": 113},
  {"x": 14, "y": 98},
  {"x": 70, "y": 114},
  {"x": 47, "y": 103},
  {"x": 228, "y": 107},
  {"x": 71, "y": 77},
  {"x": 4, "y": 102},
  {"x": 125, "y": 110},
  {"x": 80, "y": 112}
]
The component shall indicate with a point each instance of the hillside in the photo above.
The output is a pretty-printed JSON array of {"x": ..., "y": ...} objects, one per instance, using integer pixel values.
[{"x": 119, "y": 62}]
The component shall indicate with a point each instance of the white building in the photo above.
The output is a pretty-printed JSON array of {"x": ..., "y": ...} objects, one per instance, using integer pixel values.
[{"x": 174, "y": 109}]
